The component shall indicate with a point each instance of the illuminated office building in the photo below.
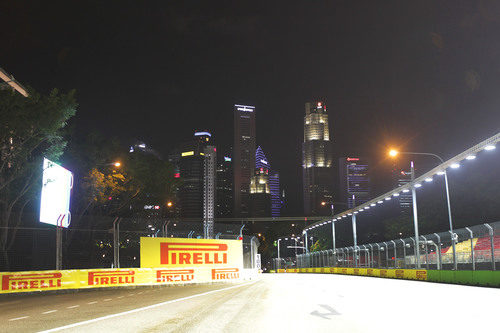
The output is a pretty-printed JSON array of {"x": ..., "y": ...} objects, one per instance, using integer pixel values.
[
  {"x": 192, "y": 166},
  {"x": 260, "y": 193},
  {"x": 265, "y": 174},
  {"x": 317, "y": 161},
  {"x": 354, "y": 181},
  {"x": 243, "y": 157},
  {"x": 209, "y": 190},
  {"x": 224, "y": 196}
]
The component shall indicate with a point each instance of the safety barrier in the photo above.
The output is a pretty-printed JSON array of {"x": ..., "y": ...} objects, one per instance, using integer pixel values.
[
  {"x": 478, "y": 278},
  {"x": 15, "y": 282}
]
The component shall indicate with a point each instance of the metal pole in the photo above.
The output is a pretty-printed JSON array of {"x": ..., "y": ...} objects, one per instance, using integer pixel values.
[
  {"x": 386, "y": 255},
  {"x": 279, "y": 260},
  {"x": 472, "y": 248},
  {"x": 395, "y": 254},
  {"x": 333, "y": 235},
  {"x": 414, "y": 251},
  {"x": 58, "y": 248},
  {"x": 492, "y": 245},
  {"x": 415, "y": 217},
  {"x": 439, "y": 253},
  {"x": 455, "y": 264},
  {"x": 165, "y": 228},
  {"x": 116, "y": 242},
  {"x": 379, "y": 262},
  {"x": 307, "y": 247},
  {"x": 354, "y": 237},
  {"x": 295, "y": 239},
  {"x": 404, "y": 252},
  {"x": 426, "y": 253},
  {"x": 371, "y": 255}
]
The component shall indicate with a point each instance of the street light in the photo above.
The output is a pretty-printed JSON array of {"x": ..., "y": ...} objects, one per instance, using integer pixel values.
[{"x": 444, "y": 173}]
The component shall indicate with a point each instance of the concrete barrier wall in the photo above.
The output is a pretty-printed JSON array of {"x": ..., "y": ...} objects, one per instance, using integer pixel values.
[
  {"x": 15, "y": 282},
  {"x": 478, "y": 278}
]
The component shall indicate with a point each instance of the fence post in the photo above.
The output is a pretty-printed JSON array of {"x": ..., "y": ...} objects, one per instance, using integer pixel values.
[
  {"x": 386, "y": 255},
  {"x": 426, "y": 253},
  {"x": 395, "y": 253},
  {"x": 371, "y": 255},
  {"x": 378, "y": 259},
  {"x": 472, "y": 248},
  {"x": 439, "y": 249},
  {"x": 58, "y": 248},
  {"x": 414, "y": 252},
  {"x": 116, "y": 242},
  {"x": 404, "y": 252},
  {"x": 492, "y": 245}
]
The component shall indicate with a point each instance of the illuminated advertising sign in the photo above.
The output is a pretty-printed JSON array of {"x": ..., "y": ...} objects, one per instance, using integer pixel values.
[
  {"x": 189, "y": 252},
  {"x": 56, "y": 192}
]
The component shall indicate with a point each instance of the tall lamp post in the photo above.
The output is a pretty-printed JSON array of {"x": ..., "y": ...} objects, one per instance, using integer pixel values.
[
  {"x": 324, "y": 203},
  {"x": 394, "y": 153}
]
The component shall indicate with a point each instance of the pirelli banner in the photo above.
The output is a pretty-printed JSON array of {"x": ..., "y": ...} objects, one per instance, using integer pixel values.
[
  {"x": 191, "y": 252},
  {"x": 13, "y": 282},
  {"x": 164, "y": 261},
  {"x": 409, "y": 274}
]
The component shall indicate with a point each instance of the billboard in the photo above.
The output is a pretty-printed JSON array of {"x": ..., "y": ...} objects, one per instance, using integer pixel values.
[
  {"x": 56, "y": 192},
  {"x": 191, "y": 252}
]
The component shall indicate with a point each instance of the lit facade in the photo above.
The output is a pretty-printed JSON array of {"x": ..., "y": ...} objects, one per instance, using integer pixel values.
[
  {"x": 224, "y": 188},
  {"x": 354, "y": 181},
  {"x": 317, "y": 160},
  {"x": 192, "y": 174},
  {"x": 260, "y": 193},
  {"x": 265, "y": 180},
  {"x": 209, "y": 190},
  {"x": 243, "y": 157}
]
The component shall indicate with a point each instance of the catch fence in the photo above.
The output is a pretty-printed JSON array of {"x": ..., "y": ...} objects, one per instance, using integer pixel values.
[
  {"x": 476, "y": 247},
  {"x": 105, "y": 242}
]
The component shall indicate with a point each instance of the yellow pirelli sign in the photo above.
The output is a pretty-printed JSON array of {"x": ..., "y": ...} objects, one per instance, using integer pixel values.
[
  {"x": 409, "y": 274},
  {"x": 189, "y": 252},
  {"x": 15, "y": 282}
]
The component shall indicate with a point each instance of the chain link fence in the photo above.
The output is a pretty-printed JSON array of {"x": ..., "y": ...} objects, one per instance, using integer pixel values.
[
  {"x": 475, "y": 248},
  {"x": 105, "y": 242}
]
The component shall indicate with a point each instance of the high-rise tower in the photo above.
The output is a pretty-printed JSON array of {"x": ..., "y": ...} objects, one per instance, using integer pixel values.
[
  {"x": 243, "y": 156},
  {"x": 317, "y": 160}
]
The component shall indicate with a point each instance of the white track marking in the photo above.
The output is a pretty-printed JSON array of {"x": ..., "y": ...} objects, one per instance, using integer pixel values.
[
  {"x": 107, "y": 299},
  {"x": 18, "y": 318},
  {"x": 72, "y": 307},
  {"x": 50, "y": 311},
  {"x": 142, "y": 309},
  {"x": 131, "y": 294},
  {"x": 92, "y": 302},
  {"x": 120, "y": 296}
]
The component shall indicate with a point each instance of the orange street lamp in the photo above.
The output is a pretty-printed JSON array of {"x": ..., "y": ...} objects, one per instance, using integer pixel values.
[
  {"x": 117, "y": 164},
  {"x": 169, "y": 204},
  {"x": 393, "y": 153}
]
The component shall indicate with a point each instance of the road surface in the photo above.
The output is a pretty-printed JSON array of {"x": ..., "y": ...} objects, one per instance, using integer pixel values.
[{"x": 275, "y": 303}]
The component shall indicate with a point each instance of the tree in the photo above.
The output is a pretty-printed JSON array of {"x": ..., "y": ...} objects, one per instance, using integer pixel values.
[
  {"x": 319, "y": 245},
  {"x": 30, "y": 129}
]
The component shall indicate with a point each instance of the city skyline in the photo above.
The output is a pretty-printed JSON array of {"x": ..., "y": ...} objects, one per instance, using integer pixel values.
[{"x": 414, "y": 88}]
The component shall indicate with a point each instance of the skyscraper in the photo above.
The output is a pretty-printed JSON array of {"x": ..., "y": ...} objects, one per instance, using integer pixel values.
[
  {"x": 243, "y": 156},
  {"x": 192, "y": 173},
  {"x": 265, "y": 180},
  {"x": 210, "y": 163},
  {"x": 224, "y": 181},
  {"x": 317, "y": 160},
  {"x": 353, "y": 181}
]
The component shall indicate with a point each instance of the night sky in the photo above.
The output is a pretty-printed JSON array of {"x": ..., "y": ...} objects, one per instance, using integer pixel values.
[{"x": 421, "y": 75}]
